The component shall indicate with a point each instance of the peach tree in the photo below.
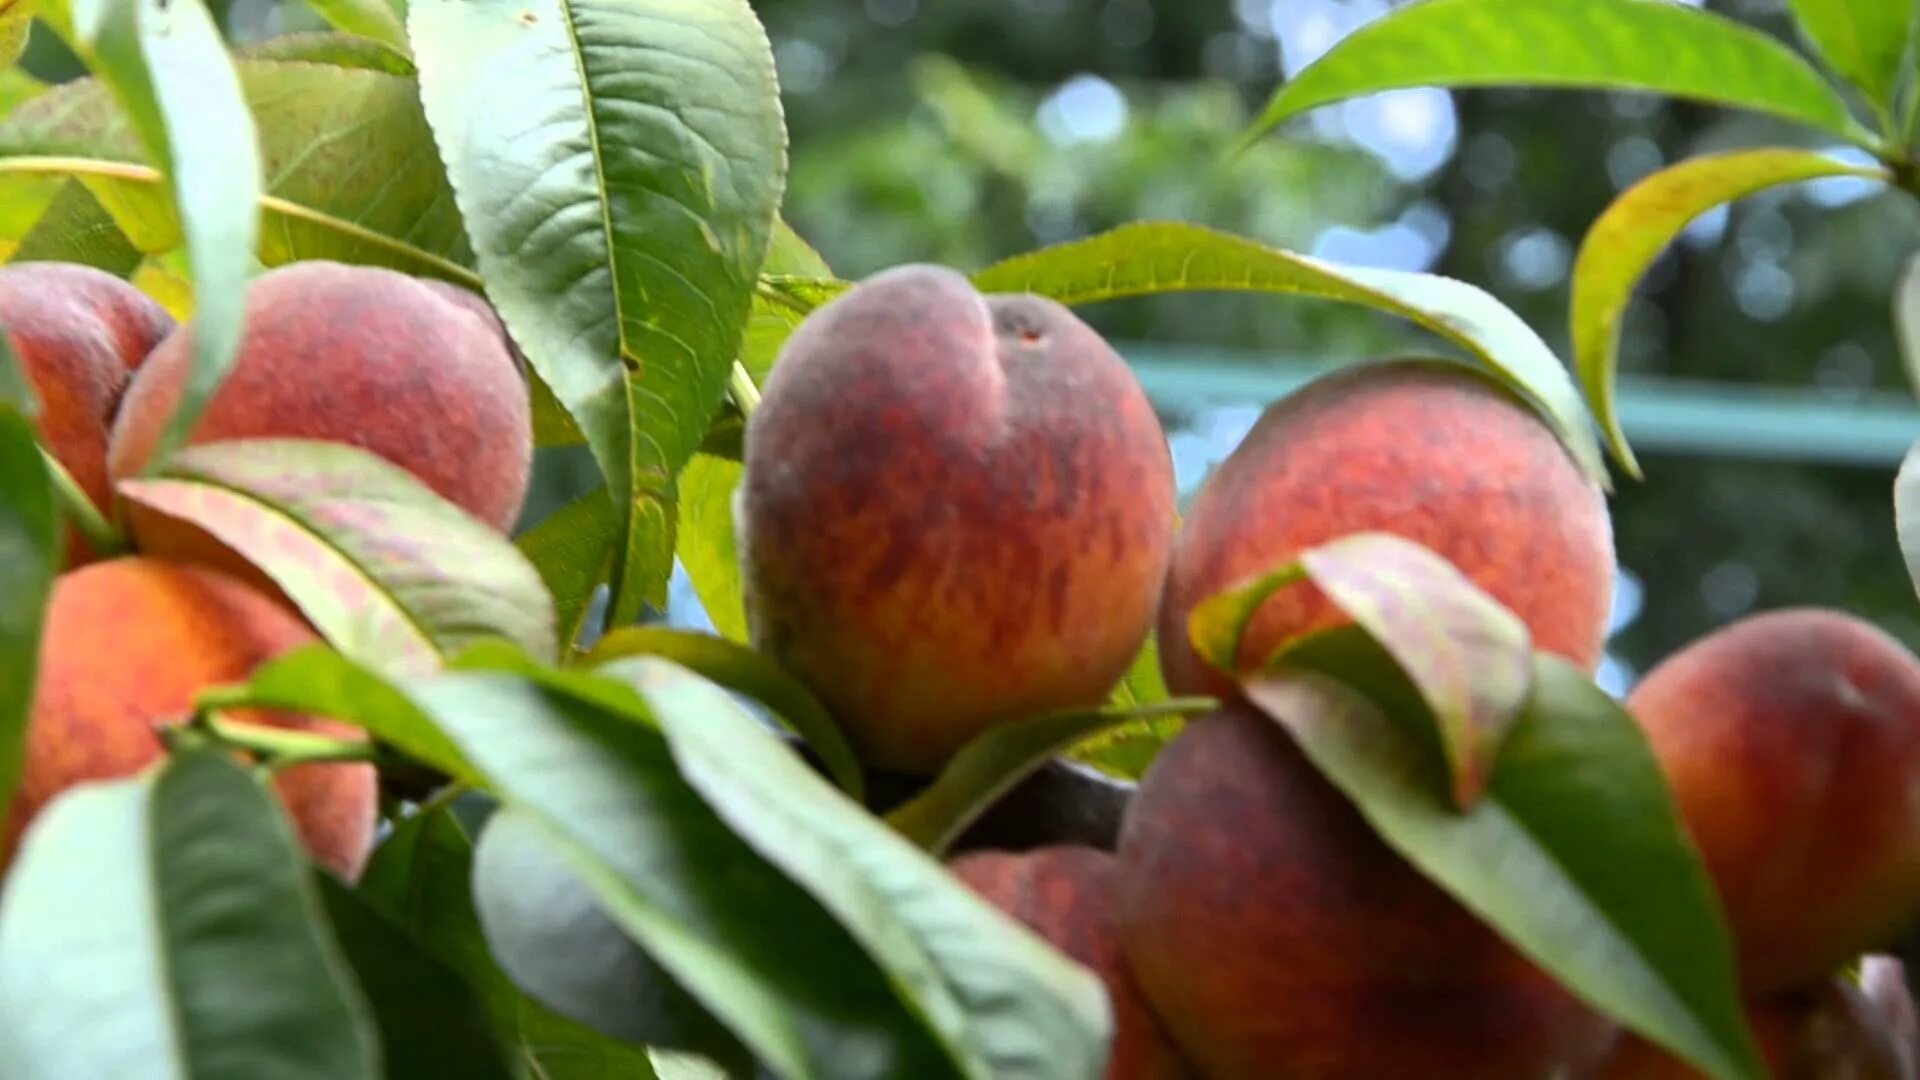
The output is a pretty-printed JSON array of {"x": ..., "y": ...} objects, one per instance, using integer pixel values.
[{"x": 608, "y": 847}]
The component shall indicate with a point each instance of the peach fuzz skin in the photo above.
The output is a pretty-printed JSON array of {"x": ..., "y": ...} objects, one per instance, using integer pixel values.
[
  {"x": 358, "y": 355},
  {"x": 1275, "y": 934},
  {"x": 1064, "y": 893},
  {"x": 956, "y": 512},
  {"x": 77, "y": 333},
  {"x": 1791, "y": 740},
  {"x": 129, "y": 642},
  {"x": 1425, "y": 450}
]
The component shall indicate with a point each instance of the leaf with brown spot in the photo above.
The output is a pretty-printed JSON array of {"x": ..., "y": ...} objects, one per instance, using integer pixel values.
[{"x": 1468, "y": 656}]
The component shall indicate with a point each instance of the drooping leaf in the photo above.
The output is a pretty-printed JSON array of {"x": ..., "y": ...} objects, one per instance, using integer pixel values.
[
  {"x": 1866, "y": 41},
  {"x": 744, "y": 671},
  {"x": 1576, "y": 855},
  {"x": 421, "y": 879},
  {"x": 746, "y": 943},
  {"x": 392, "y": 574},
  {"x": 1469, "y": 658},
  {"x": 1002, "y": 1001},
  {"x": 619, "y": 164},
  {"x": 167, "y": 927},
  {"x": 167, "y": 65},
  {"x": 373, "y": 19},
  {"x": 1599, "y": 44},
  {"x": 1145, "y": 258},
  {"x": 1624, "y": 241},
  {"x": 993, "y": 763},
  {"x": 573, "y": 550},
  {"x": 29, "y": 553},
  {"x": 546, "y": 929},
  {"x": 431, "y": 1022}
]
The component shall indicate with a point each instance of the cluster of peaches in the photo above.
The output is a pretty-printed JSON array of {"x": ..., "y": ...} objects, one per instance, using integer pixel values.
[
  {"x": 960, "y": 509},
  {"x": 418, "y": 372}
]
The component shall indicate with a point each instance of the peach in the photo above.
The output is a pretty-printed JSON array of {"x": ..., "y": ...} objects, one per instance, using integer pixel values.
[
  {"x": 128, "y": 643},
  {"x": 1275, "y": 934},
  {"x": 359, "y": 355},
  {"x": 955, "y": 512},
  {"x": 1791, "y": 740},
  {"x": 1427, "y": 450},
  {"x": 78, "y": 332},
  {"x": 1064, "y": 893}
]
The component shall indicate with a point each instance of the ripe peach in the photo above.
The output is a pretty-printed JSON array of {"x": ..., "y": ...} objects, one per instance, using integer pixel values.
[
  {"x": 956, "y": 512},
  {"x": 1275, "y": 934},
  {"x": 77, "y": 332},
  {"x": 1791, "y": 740},
  {"x": 360, "y": 355},
  {"x": 1829, "y": 1031},
  {"x": 127, "y": 645},
  {"x": 1064, "y": 893},
  {"x": 1427, "y": 450}
]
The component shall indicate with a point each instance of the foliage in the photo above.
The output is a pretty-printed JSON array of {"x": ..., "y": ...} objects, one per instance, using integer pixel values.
[{"x": 659, "y": 868}]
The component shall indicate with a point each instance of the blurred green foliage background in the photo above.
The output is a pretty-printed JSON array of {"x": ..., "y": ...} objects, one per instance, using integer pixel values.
[{"x": 963, "y": 131}]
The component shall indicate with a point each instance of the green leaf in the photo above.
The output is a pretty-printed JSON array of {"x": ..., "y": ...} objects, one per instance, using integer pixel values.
[
  {"x": 348, "y": 161},
  {"x": 1600, "y": 44},
  {"x": 1906, "y": 512},
  {"x": 744, "y": 671},
  {"x": 167, "y": 926},
  {"x": 994, "y": 763},
  {"x": 317, "y": 680},
  {"x": 386, "y": 570},
  {"x": 16, "y": 20},
  {"x": 431, "y": 1022},
  {"x": 619, "y": 164},
  {"x": 546, "y": 929},
  {"x": 572, "y": 548},
  {"x": 1577, "y": 855},
  {"x": 1002, "y": 1001},
  {"x": 743, "y": 941},
  {"x": 29, "y": 553},
  {"x": 169, "y": 68},
  {"x": 75, "y": 228},
  {"x": 1906, "y": 320},
  {"x": 1864, "y": 40},
  {"x": 1126, "y": 750},
  {"x": 1469, "y": 658},
  {"x": 374, "y": 19},
  {"x": 705, "y": 542},
  {"x": 333, "y": 50},
  {"x": 704, "y": 536},
  {"x": 17, "y": 87},
  {"x": 420, "y": 878},
  {"x": 1146, "y": 258},
  {"x": 1624, "y": 241}
]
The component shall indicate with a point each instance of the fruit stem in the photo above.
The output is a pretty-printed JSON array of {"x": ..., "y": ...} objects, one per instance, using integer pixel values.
[
  {"x": 99, "y": 533},
  {"x": 745, "y": 394},
  {"x": 280, "y": 747}
]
